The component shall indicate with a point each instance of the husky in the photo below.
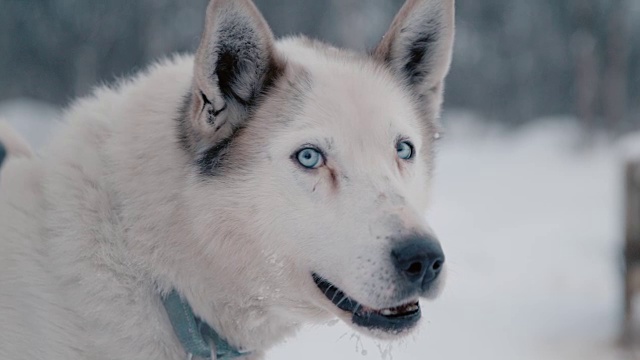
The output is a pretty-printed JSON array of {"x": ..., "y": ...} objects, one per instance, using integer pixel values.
[{"x": 216, "y": 203}]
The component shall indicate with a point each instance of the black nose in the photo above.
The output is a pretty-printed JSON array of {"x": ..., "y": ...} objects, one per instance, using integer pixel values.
[{"x": 419, "y": 259}]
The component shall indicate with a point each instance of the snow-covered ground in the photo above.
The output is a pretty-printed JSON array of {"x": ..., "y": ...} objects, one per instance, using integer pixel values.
[{"x": 531, "y": 225}]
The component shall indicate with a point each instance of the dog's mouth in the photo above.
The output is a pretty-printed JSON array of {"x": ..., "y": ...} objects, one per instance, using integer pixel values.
[{"x": 395, "y": 319}]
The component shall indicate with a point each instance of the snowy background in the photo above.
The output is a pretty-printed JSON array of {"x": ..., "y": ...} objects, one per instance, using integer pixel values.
[
  {"x": 542, "y": 101},
  {"x": 530, "y": 220}
]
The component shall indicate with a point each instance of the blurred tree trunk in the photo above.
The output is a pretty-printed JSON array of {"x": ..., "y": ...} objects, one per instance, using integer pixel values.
[
  {"x": 584, "y": 46},
  {"x": 617, "y": 67}
]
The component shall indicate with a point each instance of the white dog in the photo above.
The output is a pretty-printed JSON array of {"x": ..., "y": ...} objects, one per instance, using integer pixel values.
[{"x": 213, "y": 205}]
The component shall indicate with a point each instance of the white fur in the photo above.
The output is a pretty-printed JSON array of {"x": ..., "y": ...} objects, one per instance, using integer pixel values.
[{"x": 114, "y": 212}]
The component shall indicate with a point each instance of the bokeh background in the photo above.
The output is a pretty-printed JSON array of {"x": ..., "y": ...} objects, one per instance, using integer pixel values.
[
  {"x": 516, "y": 61},
  {"x": 542, "y": 105}
]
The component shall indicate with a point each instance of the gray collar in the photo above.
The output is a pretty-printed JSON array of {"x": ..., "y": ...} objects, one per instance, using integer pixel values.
[{"x": 196, "y": 336}]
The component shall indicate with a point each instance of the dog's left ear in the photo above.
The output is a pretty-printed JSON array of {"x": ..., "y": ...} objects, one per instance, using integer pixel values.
[
  {"x": 235, "y": 64},
  {"x": 419, "y": 45}
]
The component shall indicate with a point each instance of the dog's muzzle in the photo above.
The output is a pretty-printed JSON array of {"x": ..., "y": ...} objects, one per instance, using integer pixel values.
[
  {"x": 418, "y": 261},
  {"x": 394, "y": 319}
]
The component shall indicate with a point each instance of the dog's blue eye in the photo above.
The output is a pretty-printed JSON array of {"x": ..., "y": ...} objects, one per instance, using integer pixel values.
[
  {"x": 405, "y": 150},
  {"x": 310, "y": 158}
]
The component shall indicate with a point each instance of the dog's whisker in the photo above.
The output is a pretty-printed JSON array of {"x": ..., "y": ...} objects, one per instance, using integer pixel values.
[
  {"x": 334, "y": 296},
  {"x": 356, "y": 308},
  {"x": 344, "y": 297}
]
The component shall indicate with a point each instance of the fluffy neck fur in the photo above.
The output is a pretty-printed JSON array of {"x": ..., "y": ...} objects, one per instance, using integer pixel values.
[{"x": 130, "y": 238}]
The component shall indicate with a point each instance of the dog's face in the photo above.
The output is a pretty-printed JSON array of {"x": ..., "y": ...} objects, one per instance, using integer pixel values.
[
  {"x": 319, "y": 161},
  {"x": 344, "y": 181}
]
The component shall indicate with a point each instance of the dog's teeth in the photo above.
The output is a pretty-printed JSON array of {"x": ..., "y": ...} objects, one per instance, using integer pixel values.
[{"x": 389, "y": 312}]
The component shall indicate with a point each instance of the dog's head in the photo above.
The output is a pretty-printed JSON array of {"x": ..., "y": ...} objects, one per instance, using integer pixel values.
[{"x": 311, "y": 165}]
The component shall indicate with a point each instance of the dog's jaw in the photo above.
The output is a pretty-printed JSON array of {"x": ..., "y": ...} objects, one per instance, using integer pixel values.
[{"x": 255, "y": 315}]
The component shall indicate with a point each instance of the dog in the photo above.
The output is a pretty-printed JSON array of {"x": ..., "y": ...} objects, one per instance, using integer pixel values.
[{"x": 228, "y": 198}]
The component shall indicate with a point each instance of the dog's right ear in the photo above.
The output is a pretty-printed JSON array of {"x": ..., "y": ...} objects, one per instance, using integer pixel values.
[
  {"x": 419, "y": 45},
  {"x": 234, "y": 65}
]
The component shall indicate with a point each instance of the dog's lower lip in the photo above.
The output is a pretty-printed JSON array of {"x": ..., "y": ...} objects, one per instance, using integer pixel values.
[{"x": 390, "y": 319}]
